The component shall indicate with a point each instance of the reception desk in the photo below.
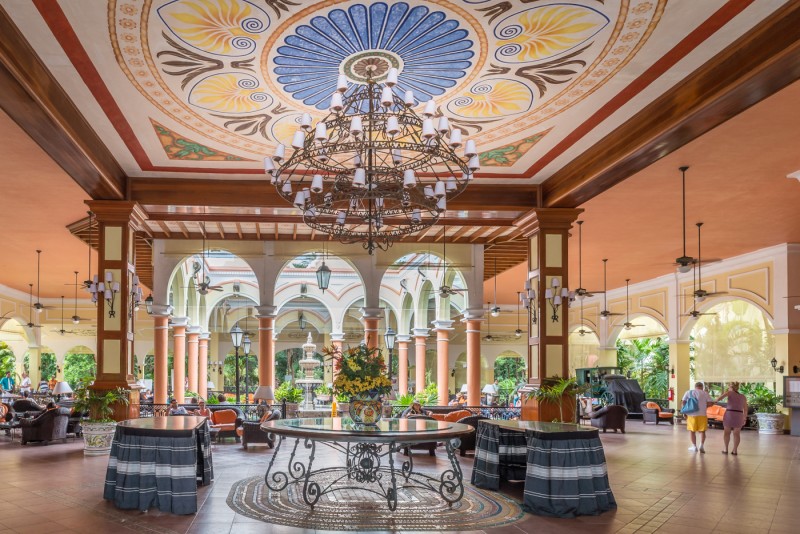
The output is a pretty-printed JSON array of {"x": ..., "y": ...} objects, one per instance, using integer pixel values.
[
  {"x": 159, "y": 461},
  {"x": 563, "y": 465}
]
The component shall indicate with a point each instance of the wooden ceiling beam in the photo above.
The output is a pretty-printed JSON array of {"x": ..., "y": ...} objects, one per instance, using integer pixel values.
[
  {"x": 220, "y": 230},
  {"x": 183, "y": 228},
  {"x": 258, "y": 231},
  {"x": 266, "y": 218},
  {"x": 239, "y": 229},
  {"x": 460, "y": 232},
  {"x": 759, "y": 64},
  {"x": 164, "y": 228},
  {"x": 35, "y": 100}
]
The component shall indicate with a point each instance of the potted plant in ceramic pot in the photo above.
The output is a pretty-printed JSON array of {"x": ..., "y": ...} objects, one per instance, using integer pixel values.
[
  {"x": 765, "y": 402},
  {"x": 291, "y": 395},
  {"x": 360, "y": 373},
  {"x": 324, "y": 393},
  {"x": 98, "y": 429}
]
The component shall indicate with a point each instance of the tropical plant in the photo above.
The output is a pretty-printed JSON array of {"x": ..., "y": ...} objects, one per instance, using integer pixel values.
[
  {"x": 428, "y": 396},
  {"x": 509, "y": 368},
  {"x": 761, "y": 398},
  {"x": 77, "y": 366},
  {"x": 554, "y": 390},
  {"x": 647, "y": 361},
  {"x": 341, "y": 397},
  {"x": 359, "y": 370},
  {"x": 507, "y": 386},
  {"x": 323, "y": 389},
  {"x": 212, "y": 400},
  {"x": 6, "y": 359},
  {"x": 286, "y": 392},
  {"x": 99, "y": 404},
  {"x": 404, "y": 400}
]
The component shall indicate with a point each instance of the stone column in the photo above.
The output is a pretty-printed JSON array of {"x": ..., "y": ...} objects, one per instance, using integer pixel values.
[
  {"x": 202, "y": 365},
  {"x": 443, "y": 359},
  {"x": 473, "y": 328},
  {"x": 179, "y": 357},
  {"x": 679, "y": 359},
  {"x": 371, "y": 318},
  {"x": 192, "y": 340},
  {"x": 266, "y": 346},
  {"x": 34, "y": 362},
  {"x": 420, "y": 345},
  {"x": 402, "y": 364},
  {"x": 117, "y": 222},
  {"x": 547, "y": 231},
  {"x": 161, "y": 354}
]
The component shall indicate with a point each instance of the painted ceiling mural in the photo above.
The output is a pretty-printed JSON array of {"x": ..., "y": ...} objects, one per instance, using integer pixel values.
[
  {"x": 190, "y": 88},
  {"x": 241, "y": 72}
]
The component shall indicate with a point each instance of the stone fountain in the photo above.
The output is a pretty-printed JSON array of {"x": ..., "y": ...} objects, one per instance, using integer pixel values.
[{"x": 308, "y": 364}]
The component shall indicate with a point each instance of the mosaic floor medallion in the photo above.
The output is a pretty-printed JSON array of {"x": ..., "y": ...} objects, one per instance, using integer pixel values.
[{"x": 356, "y": 509}]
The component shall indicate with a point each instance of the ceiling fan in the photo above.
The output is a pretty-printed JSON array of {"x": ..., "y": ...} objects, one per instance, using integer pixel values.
[
  {"x": 488, "y": 336},
  {"x": 628, "y": 324},
  {"x": 205, "y": 281},
  {"x": 582, "y": 331},
  {"x": 30, "y": 323},
  {"x": 61, "y": 330},
  {"x": 580, "y": 293},
  {"x": 445, "y": 290},
  {"x": 38, "y": 306},
  {"x": 699, "y": 293},
  {"x": 605, "y": 314},
  {"x": 685, "y": 262},
  {"x": 75, "y": 318},
  {"x": 495, "y": 310}
]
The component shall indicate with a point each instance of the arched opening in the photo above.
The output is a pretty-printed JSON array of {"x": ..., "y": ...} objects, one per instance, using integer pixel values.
[
  {"x": 510, "y": 372},
  {"x": 733, "y": 342},
  {"x": 7, "y": 360},
  {"x": 646, "y": 360},
  {"x": 79, "y": 363},
  {"x": 584, "y": 349}
]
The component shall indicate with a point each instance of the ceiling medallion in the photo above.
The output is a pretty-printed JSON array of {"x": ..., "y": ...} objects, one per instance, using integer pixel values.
[{"x": 373, "y": 170}]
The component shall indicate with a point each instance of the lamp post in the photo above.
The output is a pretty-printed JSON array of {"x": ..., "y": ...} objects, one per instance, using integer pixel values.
[
  {"x": 246, "y": 347},
  {"x": 236, "y": 337},
  {"x": 389, "y": 338}
]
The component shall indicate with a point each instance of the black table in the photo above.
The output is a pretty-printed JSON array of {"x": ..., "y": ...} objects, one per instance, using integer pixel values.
[
  {"x": 563, "y": 465},
  {"x": 369, "y": 456},
  {"x": 159, "y": 461}
]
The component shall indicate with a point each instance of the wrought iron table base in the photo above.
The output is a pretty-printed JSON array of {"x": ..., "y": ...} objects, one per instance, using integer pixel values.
[{"x": 364, "y": 465}]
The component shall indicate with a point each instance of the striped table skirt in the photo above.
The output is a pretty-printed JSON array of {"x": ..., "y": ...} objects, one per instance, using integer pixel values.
[
  {"x": 565, "y": 472},
  {"x": 146, "y": 470}
]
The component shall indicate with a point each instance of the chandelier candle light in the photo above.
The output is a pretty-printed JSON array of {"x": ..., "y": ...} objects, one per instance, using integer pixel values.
[{"x": 373, "y": 170}]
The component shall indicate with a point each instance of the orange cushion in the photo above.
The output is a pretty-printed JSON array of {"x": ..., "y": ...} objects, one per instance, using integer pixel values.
[
  {"x": 665, "y": 415},
  {"x": 653, "y": 406},
  {"x": 438, "y": 416},
  {"x": 452, "y": 417},
  {"x": 223, "y": 417},
  {"x": 715, "y": 412}
]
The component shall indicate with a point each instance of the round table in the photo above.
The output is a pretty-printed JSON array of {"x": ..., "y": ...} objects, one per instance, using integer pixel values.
[{"x": 369, "y": 456}]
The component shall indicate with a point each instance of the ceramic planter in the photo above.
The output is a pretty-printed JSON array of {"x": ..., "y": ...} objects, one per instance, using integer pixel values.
[
  {"x": 771, "y": 423},
  {"x": 97, "y": 438}
]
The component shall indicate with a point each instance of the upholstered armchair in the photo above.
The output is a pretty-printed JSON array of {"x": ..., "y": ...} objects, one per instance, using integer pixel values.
[
  {"x": 251, "y": 432},
  {"x": 610, "y": 417},
  {"x": 48, "y": 426},
  {"x": 26, "y": 407},
  {"x": 226, "y": 421},
  {"x": 653, "y": 413}
]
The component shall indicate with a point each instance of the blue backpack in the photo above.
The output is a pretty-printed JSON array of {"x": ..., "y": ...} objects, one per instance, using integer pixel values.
[{"x": 691, "y": 405}]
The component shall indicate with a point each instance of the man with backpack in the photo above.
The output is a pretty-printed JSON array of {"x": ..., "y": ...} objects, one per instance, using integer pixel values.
[{"x": 694, "y": 404}]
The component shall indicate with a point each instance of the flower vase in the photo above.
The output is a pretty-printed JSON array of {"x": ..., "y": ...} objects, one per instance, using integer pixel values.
[{"x": 365, "y": 409}]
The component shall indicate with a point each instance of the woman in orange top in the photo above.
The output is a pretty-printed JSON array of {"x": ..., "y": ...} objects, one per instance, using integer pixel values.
[{"x": 202, "y": 410}]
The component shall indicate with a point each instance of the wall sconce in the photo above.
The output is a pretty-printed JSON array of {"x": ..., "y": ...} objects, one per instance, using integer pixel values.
[
  {"x": 135, "y": 297},
  {"x": 107, "y": 290},
  {"x": 528, "y": 299},
  {"x": 148, "y": 304},
  {"x": 301, "y": 320},
  {"x": 795, "y": 369},
  {"x": 774, "y": 363},
  {"x": 554, "y": 296}
]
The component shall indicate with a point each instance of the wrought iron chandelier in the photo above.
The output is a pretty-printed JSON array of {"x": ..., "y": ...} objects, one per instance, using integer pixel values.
[{"x": 373, "y": 170}]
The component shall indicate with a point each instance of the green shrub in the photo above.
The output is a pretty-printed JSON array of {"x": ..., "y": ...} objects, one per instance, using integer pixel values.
[
  {"x": 404, "y": 400},
  {"x": 286, "y": 392},
  {"x": 429, "y": 396}
]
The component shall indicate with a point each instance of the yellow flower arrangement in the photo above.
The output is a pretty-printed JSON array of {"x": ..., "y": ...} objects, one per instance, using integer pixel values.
[{"x": 359, "y": 370}]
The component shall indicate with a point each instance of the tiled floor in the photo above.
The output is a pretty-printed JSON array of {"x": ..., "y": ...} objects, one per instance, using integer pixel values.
[{"x": 658, "y": 484}]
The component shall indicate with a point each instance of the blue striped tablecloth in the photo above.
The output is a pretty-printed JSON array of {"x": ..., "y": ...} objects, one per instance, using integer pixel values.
[
  {"x": 563, "y": 466},
  {"x": 159, "y": 467}
]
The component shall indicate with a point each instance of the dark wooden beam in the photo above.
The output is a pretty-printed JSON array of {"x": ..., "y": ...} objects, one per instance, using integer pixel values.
[
  {"x": 39, "y": 105},
  {"x": 262, "y": 194},
  {"x": 756, "y": 66}
]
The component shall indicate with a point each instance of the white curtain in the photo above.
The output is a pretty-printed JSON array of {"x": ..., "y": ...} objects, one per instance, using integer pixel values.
[{"x": 581, "y": 347}]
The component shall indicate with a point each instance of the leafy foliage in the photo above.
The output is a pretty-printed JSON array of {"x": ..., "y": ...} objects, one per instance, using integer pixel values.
[
  {"x": 509, "y": 368},
  {"x": 286, "y": 392},
  {"x": 98, "y": 403},
  {"x": 358, "y": 370},
  {"x": 554, "y": 389},
  {"x": 760, "y": 397},
  {"x": 428, "y": 396},
  {"x": 250, "y": 364},
  {"x": 404, "y": 400},
  {"x": 7, "y": 359},
  {"x": 647, "y": 361},
  {"x": 323, "y": 389},
  {"x": 78, "y": 366}
]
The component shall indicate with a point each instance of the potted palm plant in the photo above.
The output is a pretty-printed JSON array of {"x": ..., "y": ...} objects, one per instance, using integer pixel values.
[
  {"x": 555, "y": 391},
  {"x": 98, "y": 429},
  {"x": 765, "y": 402}
]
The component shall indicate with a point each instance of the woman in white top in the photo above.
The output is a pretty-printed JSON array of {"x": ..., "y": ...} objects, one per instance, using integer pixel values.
[{"x": 25, "y": 385}]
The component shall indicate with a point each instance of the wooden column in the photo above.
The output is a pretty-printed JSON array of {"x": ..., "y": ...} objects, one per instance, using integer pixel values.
[
  {"x": 420, "y": 346},
  {"x": 192, "y": 346},
  {"x": 117, "y": 221},
  {"x": 402, "y": 364},
  {"x": 202, "y": 365}
]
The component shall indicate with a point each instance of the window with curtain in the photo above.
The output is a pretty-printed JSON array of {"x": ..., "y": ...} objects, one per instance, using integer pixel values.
[{"x": 734, "y": 343}]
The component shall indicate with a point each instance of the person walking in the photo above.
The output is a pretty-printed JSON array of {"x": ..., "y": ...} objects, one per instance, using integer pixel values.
[
  {"x": 25, "y": 385},
  {"x": 696, "y": 420},
  {"x": 735, "y": 416}
]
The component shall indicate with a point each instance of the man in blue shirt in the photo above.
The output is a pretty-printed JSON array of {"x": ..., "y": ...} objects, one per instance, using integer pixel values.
[{"x": 7, "y": 382}]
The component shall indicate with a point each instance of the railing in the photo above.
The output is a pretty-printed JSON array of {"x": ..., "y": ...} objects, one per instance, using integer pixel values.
[
  {"x": 252, "y": 412},
  {"x": 492, "y": 412}
]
